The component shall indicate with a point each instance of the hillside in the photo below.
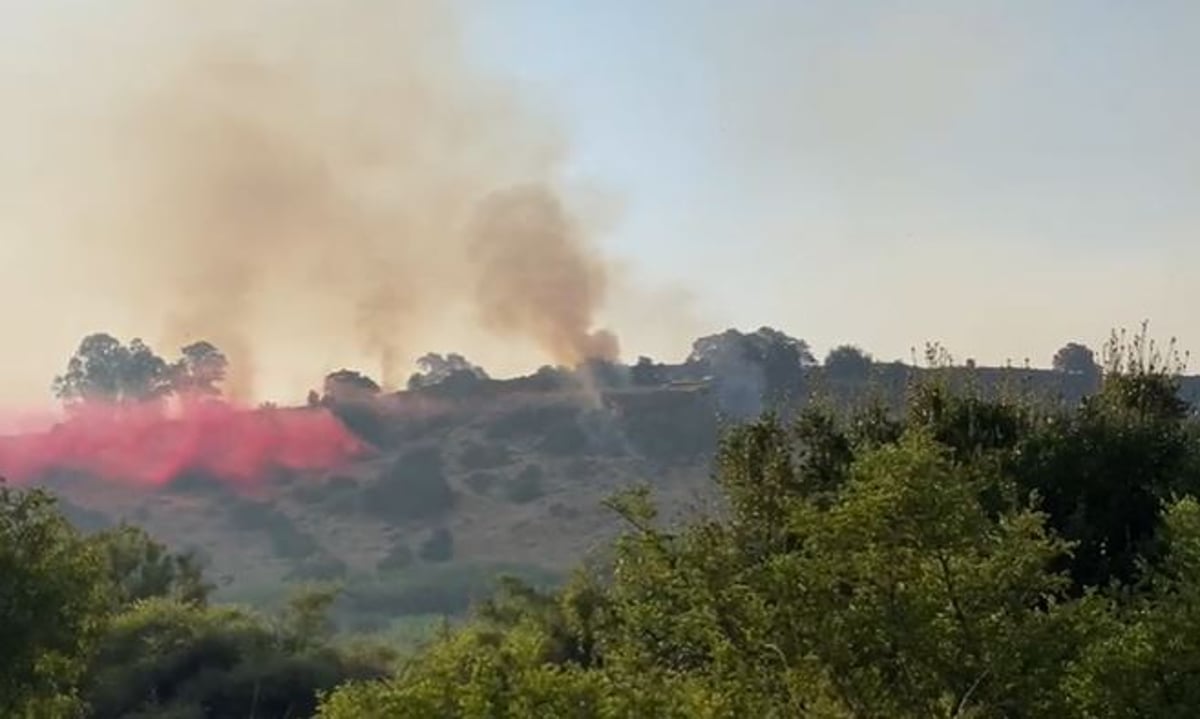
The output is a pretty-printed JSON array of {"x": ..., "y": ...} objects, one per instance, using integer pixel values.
[{"x": 466, "y": 477}]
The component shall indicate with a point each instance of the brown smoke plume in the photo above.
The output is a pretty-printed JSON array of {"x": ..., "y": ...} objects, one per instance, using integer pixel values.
[
  {"x": 328, "y": 172},
  {"x": 537, "y": 278}
]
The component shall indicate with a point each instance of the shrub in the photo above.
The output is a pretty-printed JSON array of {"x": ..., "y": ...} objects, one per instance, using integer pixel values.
[
  {"x": 526, "y": 486},
  {"x": 564, "y": 439},
  {"x": 413, "y": 488},
  {"x": 484, "y": 456},
  {"x": 530, "y": 421},
  {"x": 439, "y": 547},
  {"x": 398, "y": 557},
  {"x": 287, "y": 541},
  {"x": 481, "y": 482},
  {"x": 321, "y": 567},
  {"x": 435, "y": 589}
]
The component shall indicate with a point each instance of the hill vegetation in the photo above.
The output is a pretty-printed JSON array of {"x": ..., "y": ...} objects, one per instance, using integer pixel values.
[{"x": 949, "y": 541}]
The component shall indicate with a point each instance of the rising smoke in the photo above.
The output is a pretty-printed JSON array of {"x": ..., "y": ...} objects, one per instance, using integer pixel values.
[{"x": 326, "y": 172}]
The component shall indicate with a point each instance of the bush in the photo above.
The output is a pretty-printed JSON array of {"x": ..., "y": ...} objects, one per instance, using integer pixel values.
[
  {"x": 564, "y": 440},
  {"x": 526, "y": 486},
  {"x": 484, "y": 456},
  {"x": 165, "y": 659},
  {"x": 413, "y": 488},
  {"x": 531, "y": 421},
  {"x": 398, "y": 557},
  {"x": 435, "y": 589},
  {"x": 287, "y": 541},
  {"x": 481, "y": 482},
  {"x": 439, "y": 547},
  {"x": 321, "y": 567},
  {"x": 365, "y": 421}
]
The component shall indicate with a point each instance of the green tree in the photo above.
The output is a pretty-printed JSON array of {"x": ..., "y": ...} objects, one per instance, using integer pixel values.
[
  {"x": 1075, "y": 358},
  {"x": 53, "y": 603},
  {"x": 848, "y": 362},
  {"x": 200, "y": 371},
  {"x": 140, "y": 568},
  {"x": 105, "y": 370},
  {"x": 167, "y": 659}
]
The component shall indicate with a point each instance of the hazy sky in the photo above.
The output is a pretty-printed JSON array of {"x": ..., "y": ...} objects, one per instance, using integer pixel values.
[{"x": 999, "y": 176}]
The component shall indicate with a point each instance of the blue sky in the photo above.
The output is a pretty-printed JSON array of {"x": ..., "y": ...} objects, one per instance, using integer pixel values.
[{"x": 998, "y": 176}]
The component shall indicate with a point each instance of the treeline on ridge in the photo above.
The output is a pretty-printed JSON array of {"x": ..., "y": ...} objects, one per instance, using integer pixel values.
[{"x": 971, "y": 556}]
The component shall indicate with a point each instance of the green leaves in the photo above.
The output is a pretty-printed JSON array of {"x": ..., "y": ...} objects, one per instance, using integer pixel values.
[{"x": 54, "y": 599}]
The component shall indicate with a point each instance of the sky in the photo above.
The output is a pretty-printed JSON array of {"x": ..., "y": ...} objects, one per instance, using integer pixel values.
[{"x": 1000, "y": 177}]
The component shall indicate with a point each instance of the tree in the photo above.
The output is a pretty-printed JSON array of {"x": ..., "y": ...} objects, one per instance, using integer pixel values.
[
  {"x": 750, "y": 369},
  {"x": 200, "y": 371},
  {"x": 140, "y": 568},
  {"x": 104, "y": 370},
  {"x": 53, "y": 603},
  {"x": 346, "y": 385},
  {"x": 434, "y": 369},
  {"x": 647, "y": 373},
  {"x": 163, "y": 658},
  {"x": 1075, "y": 358},
  {"x": 848, "y": 362}
]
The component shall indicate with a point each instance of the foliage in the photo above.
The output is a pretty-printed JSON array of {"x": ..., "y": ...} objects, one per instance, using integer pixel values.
[
  {"x": 347, "y": 385},
  {"x": 398, "y": 557},
  {"x": 54, "y": 597},
  {"x": 452, "y": 369},
  {"x": 1075, "y": 358},
  {"x": 972, "y": 557},
  {"x": 199, "y": 371},
  {"x": 140, "y": 568},
  {"x": 415, "y": 487},
  {"x": 162, "y": 658},
  {"x": 750, "y": 370},
  {"x": 481, "y": 482},
  {"x": 438, "y": 546},
  {"x": 526, "y": 486},
  {"x": 104, "y": 370},
  {"x": 484, "y": 456},
  {"x": 848, "y": 362}
]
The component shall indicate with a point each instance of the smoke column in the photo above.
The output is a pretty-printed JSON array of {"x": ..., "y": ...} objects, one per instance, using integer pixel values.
[{"x": 313, "y": 172}]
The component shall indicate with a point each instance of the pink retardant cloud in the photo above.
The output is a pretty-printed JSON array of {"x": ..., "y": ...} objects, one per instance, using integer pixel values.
[{"x": 150, "y": 445}]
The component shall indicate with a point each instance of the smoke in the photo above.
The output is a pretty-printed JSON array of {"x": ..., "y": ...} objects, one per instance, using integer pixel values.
[
  {"x": 143, "y": 445},
  {"x": 311, "y": 173},
  {"x": 538, "y": 279}
]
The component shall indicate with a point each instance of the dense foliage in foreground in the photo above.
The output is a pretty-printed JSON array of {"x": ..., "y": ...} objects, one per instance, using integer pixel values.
[
  {"x": 112, "y": 625},
  {"x": 971, "y": 558}
]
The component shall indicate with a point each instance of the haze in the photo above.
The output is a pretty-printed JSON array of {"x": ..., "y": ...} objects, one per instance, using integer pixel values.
[{"x": 1002, "y": 177}]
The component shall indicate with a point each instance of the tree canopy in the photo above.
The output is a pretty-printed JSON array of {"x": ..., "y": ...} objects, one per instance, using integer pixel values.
[
  {"x": 972, "y": 557},
  {"x": 105, "y": 370},
  {"x": 848, "y": 362},
  {"x": 1075, "y": 358}
]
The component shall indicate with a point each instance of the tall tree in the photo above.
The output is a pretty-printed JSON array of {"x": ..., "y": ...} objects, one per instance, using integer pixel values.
[
  {"x": 105, "y": 370},
  {"x": 1075, "y": 358},
  {"x": 200, "y": 371},
  {"x": 848, "y": 362}
]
